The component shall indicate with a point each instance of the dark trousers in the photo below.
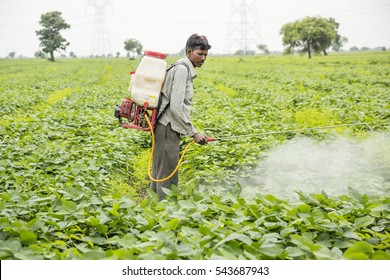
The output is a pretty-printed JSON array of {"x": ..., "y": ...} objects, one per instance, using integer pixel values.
[{"x": 165, "y": 158}]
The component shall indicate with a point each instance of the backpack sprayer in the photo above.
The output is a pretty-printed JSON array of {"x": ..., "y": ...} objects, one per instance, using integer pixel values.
[
  {"x": 141, "y": 110},
  {"x": 145, "y": 87}
]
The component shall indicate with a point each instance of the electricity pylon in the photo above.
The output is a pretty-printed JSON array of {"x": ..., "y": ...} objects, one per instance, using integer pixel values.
[
  {"x": 243, "y": 30},
  {"x": 100, "y": 43}
]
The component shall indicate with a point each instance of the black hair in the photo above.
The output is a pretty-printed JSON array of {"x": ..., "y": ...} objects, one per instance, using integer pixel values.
[{"x": 197, "y": 42}]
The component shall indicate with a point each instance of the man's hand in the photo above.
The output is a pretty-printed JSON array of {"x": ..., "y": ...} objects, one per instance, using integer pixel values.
[{"x": 200, "y": 138}]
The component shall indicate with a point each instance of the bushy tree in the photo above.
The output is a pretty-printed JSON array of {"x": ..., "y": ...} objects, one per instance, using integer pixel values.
[
  {"x": 11, "y": 55},
  {"x": 354, "y": 49},
  {"x": 311, "y": 35},
  {"x": 49, "y": 35},
  {"x": 133, "y": 46},
  {"x": 39, "y": 54},
  {"x": 338, "y": 43},
  {"x": 263, "y": 48}
]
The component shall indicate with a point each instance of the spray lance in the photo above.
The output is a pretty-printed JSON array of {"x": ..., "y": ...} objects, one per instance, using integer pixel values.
[
  {"x": 233, "y": 138},
  {"x": 148, "y": 119}
]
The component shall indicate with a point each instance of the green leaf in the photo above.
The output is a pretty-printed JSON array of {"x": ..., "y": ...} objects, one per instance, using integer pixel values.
[
  {"x": 123, "y": 254},
  {"x": 271, "y": 250},
  {"x": 94, "y": 221},
  {"x": 27, "y": 237},
  {"x": 305, "y": 242},
  {"x": 2, "y": 205},
  {"x": 360, "y": 250},
  {"x": 235, "y": 236},
  {"x": 6, "y": 196},
  {"x": 163, "y": 223},
  {"x": 114, "y": 210},
  {"x": 304, "y": 208},
  {"x": 225, "y": 254},
  {"x": 287, "y": 231},
  {"x": 102, "y": 229},
  {"x": 185, "y": 204},
  {"x": 69, "y": 206},
  {"x": 255, "y": 210},
  {"x": 350, "y": 234},
  {"x": 141, "y": 220},
  {"x": 12, "y": 245},
  {"x": 326, "y": 254},
  {"x": 342, "y": 244},
  {"x": 363, "y": 222},
  {"x": 295, "y": 252},
  {"x": 32, "y": 222},
  {"x": 174, "y": 223},
  {"x": 185, "y": 250},
  {"x": 153, "y": 195},
  {"x": 127, "y": 241},
  {"x": 204, "y": 230},
  {"x": 380, "y": 207},
  {"x": 381, "y": 255},
  {"x": 93, "y": 255}
]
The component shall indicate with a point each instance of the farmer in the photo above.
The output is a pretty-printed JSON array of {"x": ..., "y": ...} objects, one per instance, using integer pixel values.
[{"x": 174, "y": 114}]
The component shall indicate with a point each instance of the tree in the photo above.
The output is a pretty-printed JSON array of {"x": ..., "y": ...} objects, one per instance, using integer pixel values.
[
  {"x": 11, "y": 55},
  {"x": 338, "y": 43},
  {"x": 354, "y": 49},
  {"x": 263, "y": 48},
  {"x": 39, "y": 54},
  {"x": 244, "y": 52},
  {"x": 311, "y": 35},
  {"x": 49, "y": 35},
  {"x": 134, "y": 46},
  {"x": 73, "y": 55}
]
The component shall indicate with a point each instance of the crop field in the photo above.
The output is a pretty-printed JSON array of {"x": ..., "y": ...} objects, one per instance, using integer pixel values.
[{"x": 74, "y": 184}]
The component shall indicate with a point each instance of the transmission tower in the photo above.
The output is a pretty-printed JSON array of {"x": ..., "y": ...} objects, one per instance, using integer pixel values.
[
  {"x": 100, "y": 43},
  {"x": 243, "y": 30}
]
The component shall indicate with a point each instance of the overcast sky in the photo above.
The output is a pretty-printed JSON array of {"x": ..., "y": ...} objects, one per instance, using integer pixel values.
[{"x": 164, "y": 25}]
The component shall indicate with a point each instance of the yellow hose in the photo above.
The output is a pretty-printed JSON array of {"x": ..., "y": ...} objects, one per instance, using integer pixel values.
[{"x": 151, "y": 157}]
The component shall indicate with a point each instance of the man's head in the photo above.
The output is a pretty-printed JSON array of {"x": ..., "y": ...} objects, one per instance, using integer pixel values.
[{"x": 197, "y": 47}]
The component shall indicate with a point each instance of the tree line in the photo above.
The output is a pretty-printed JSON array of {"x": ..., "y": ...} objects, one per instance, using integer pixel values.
[{"x": 311, "y": 35}]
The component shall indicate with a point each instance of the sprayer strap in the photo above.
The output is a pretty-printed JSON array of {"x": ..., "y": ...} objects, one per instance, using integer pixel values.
[
  {"x": 178, "y": 63},
  {"x": 161, "y": 112}
]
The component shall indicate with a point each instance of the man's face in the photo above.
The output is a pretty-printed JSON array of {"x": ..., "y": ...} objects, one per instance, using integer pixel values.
[{"x": 197, "y": 57}]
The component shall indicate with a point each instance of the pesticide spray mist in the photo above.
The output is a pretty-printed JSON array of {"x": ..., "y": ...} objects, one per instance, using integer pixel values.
[{"x": 332, "y": 166}]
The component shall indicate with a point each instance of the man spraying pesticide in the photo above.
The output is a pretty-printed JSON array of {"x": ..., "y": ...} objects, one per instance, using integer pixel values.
[
  {"x": 161, "y": 103},
  {"x": 166, "y": 115}
]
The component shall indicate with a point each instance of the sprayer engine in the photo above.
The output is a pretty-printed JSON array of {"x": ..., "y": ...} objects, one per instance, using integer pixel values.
[{"x": 135, "y": 115}]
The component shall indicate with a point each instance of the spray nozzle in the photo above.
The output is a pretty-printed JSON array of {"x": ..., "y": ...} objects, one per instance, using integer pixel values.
[{"x": 210, "y": 139}]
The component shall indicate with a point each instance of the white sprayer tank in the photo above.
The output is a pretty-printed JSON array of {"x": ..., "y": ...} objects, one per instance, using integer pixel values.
[{"x": 147, "y": 81}]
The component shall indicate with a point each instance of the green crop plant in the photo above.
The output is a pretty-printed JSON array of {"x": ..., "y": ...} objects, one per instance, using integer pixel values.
[
  {"x": 74, "y": 183},
  {"x": 140, "y": 179}
]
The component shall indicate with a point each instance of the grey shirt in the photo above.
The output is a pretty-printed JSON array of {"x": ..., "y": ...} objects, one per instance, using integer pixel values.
[{"x": 178, "y": 90}]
